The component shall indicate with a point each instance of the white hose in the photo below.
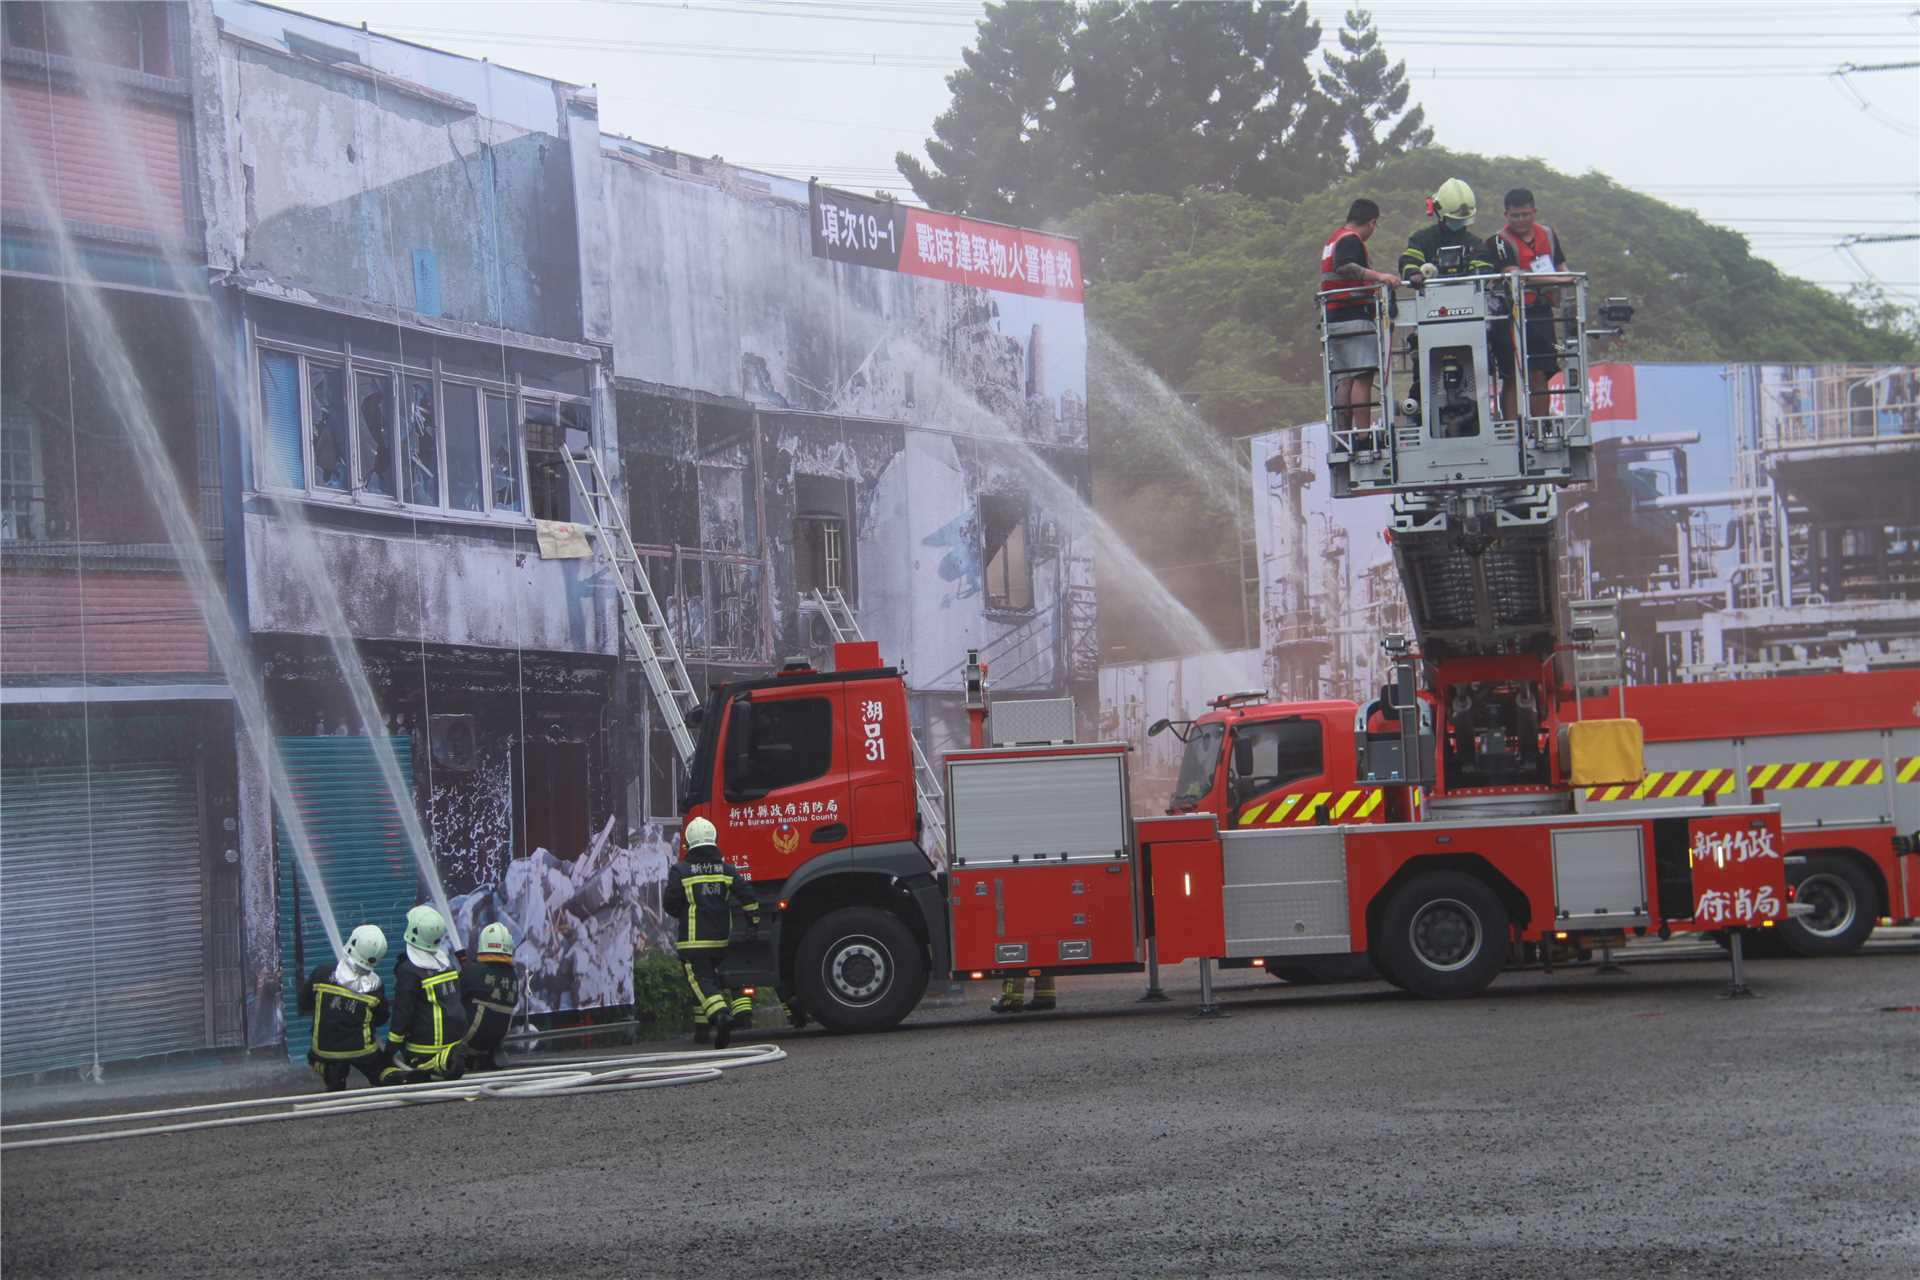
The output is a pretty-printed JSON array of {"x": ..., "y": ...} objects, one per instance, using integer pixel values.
[{"x": 548, "y": 1080}]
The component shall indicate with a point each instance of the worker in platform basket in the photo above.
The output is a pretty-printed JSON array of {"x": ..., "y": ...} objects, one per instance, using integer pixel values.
[
  {"x": 702, "y": 890},
  {"x": 429, "y": 1021},
  {"x": 1527, "y": 244},
  {"x": 1446, "y": 247},
  {"x": 490, "y": 989},
  {"x": 347, "y": 1001},
  {"x": 1353, "y": 313}
]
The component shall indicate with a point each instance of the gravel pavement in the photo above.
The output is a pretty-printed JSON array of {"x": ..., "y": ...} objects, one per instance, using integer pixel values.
[{"x": 1559, "y": 1125}]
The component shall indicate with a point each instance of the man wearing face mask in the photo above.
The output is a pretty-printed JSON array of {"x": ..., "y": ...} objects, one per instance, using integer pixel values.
[{"x": 1447, "y": 247}]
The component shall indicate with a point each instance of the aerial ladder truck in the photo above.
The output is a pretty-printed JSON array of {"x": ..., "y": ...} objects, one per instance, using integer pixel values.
[{"x": 1456, "y": 846}]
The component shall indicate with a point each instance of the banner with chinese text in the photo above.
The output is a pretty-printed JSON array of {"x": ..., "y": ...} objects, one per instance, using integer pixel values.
[{"x": 941, "y": 246}]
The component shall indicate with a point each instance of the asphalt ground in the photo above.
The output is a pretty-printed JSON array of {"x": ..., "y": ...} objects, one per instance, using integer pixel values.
[{"x": 1565, "y": 1124}]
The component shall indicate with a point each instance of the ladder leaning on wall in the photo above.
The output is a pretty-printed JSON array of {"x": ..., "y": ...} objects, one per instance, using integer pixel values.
[
  {"x": 845, "y": 626},
  {"x": 640, "y": 613}
]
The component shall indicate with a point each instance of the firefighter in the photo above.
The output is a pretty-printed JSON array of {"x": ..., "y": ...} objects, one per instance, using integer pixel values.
[
  {"x": 489, "y": 988},
  {"x": 1446, "y": 247},
  {"x": 347, "y": 1001},
  {"x": 429, "y": 1022},
  {"x": 1045, "y": 996},
  {"x": 702, "y": 890}
]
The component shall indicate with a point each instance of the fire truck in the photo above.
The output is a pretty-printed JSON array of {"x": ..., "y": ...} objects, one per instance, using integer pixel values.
[{"x": 1457, "y": 844}]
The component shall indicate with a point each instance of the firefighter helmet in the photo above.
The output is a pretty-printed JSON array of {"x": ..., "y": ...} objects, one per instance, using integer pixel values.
[
  {"x": 496, "y": 941},
  {"x": 700, "y": 834},
  {"x": 1453, "y": 202},
  {"x": 366, "y": 947},
  {"x": 425, "y": 928}
]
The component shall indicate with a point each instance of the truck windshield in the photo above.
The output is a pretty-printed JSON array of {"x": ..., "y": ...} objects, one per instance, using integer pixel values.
[{"x": 1198, "y": 765}]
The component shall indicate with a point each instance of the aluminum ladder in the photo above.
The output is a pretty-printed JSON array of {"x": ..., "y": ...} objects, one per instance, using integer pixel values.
[
  {"x": 640, "y": 614},
  {"x": 845, "y": 627}
]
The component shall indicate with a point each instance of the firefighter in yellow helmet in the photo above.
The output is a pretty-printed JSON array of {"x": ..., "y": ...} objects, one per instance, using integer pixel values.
[
  {"x": 1446, "y": 246},
  {"x": 490, "y": 989},
  {"x": 429, "y": 1022},
  {"x": 702, "y": 891}
]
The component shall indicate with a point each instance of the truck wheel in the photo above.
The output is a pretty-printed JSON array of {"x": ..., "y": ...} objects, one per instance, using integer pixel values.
[
  {"x": 860, "y": 969},
  {"x": 1444, "y": 934},
  {"x": 1842, "y": 898}
]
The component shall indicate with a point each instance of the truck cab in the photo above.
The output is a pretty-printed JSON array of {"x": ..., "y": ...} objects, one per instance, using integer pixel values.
[
  {"x": 808, "y": 778},
  {"x": 1253, "y": 762}
]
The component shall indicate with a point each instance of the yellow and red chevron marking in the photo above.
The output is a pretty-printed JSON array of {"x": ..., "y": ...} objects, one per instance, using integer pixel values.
[
  {"x": 1800, "y": 775},
  {"x": 1353, "y": 805}
]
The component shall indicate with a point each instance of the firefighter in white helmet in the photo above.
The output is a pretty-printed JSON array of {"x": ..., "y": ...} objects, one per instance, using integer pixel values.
[
  {"x": 489, "y": 988},
  {"x": 347, "y": 1001},
  {"x": 429, "y": 1022},
  {"x": 702, "y": 890}
]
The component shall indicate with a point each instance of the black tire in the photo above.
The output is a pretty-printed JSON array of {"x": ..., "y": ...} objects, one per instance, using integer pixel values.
[
  {"x": 860, "y": 969},
  {"x": 1443, "y": 934},
  {"x": 1844, "y": 901}
]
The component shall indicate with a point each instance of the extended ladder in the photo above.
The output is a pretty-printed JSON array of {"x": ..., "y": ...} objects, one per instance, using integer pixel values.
[
  {"x": 926, "y": 783},
  {"x": 645, "y": 624}
]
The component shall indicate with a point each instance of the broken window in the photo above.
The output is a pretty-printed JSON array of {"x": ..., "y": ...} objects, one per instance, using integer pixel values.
[
  {"x": 364, "y": 415},
  {"x": 664, "y": 772},
  {"x": 463, "y": 448},
  {"x": 375, "y": 392},
  {"x": 420, "y": 445},
  {"x": 1003, "y": 552},
  {"x": 327, "y": 408}
]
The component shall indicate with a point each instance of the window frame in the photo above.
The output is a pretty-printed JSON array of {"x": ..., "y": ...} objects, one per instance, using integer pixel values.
[
  {"x": 1260, "y": 784},
  {"x": 1004, "y": 606},
  {"x": 400, "y": 372}
]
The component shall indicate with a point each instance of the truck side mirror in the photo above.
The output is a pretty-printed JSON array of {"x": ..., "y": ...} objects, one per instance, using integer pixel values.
[{"x": 1158, "y": 727}]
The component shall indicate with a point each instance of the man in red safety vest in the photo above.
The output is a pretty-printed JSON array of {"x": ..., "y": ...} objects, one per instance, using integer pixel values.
[
  {"x": 1352, "y": 318},
  {"x": 1525, "y": 244}
]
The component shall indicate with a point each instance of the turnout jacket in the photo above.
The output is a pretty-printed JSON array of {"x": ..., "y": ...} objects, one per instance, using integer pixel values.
[
  {"x": 489, "y": 988},
  {"x": 343, "y": 1019},
  {"x": 700, "y": 895},
  {"x": 427, "y": 1013},
  {"x": 1428, "y": 241}
]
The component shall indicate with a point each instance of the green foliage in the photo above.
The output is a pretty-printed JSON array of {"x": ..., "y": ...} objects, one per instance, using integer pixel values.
[
  {"x": 1366, "y": 95},
  {"x": 1215, "y": 291},
  {"x": 1058, "y": 105},
  {"x": 662, "y": 1001}
]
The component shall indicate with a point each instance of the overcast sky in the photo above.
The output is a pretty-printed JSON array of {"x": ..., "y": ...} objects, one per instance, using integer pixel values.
[{"x": 1729, "y": 109}]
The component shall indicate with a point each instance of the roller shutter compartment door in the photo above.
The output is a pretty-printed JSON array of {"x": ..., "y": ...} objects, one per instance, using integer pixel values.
[
  {"x": 103, "y": 953},
  {"x": 361, "y": 846}
]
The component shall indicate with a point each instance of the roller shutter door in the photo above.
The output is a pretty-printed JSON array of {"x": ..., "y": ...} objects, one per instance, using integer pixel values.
[
  {"x": 364, "y": 861},
  {"x": 102, "y": 915}
]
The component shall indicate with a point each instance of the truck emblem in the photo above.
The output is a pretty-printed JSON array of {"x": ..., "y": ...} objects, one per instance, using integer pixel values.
[{"x": 785, "y": 838}]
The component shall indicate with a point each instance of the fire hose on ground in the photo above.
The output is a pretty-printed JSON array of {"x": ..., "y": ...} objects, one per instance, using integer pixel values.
[{"x": 548, "y": 1080}]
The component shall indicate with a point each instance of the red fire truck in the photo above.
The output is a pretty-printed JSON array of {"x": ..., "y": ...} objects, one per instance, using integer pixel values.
[{"x": 1433, "y": 832}]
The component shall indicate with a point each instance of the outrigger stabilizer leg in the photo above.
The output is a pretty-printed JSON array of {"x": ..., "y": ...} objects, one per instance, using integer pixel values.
[
  {"x": 1208, "y": 1009},
  {"x": 1154, "y": 995},
  {"x": 1737, "y": 957}
]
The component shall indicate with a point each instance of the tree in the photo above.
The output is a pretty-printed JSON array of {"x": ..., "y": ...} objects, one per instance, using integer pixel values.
[
  {"x": 996, "y": 150},
  {"x": 1366, "y": 94},
  {"x": 1057, "y": 106}
]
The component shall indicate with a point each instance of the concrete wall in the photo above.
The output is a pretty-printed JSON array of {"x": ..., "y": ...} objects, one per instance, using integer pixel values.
[{"x": 371, "y": 170}]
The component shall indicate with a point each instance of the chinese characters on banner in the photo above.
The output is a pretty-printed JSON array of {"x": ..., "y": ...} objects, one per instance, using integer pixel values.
[
  {"x": 1739, "y": 877},
  {"x": 878, "y": 233},
  {"x": 1610, "y": 393}
]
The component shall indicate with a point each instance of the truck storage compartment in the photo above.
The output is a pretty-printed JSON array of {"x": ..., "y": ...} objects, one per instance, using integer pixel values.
[
  {"x": 1599, "y": 877},
  {"x": 1043, "y": 872},
  {"x": 1286, "y": 892}
]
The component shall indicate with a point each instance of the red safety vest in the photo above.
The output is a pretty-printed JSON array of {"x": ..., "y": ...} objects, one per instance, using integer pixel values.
[
  {"x": 1527, "y": 254},
  {"x": 1330, "y": 282}
]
